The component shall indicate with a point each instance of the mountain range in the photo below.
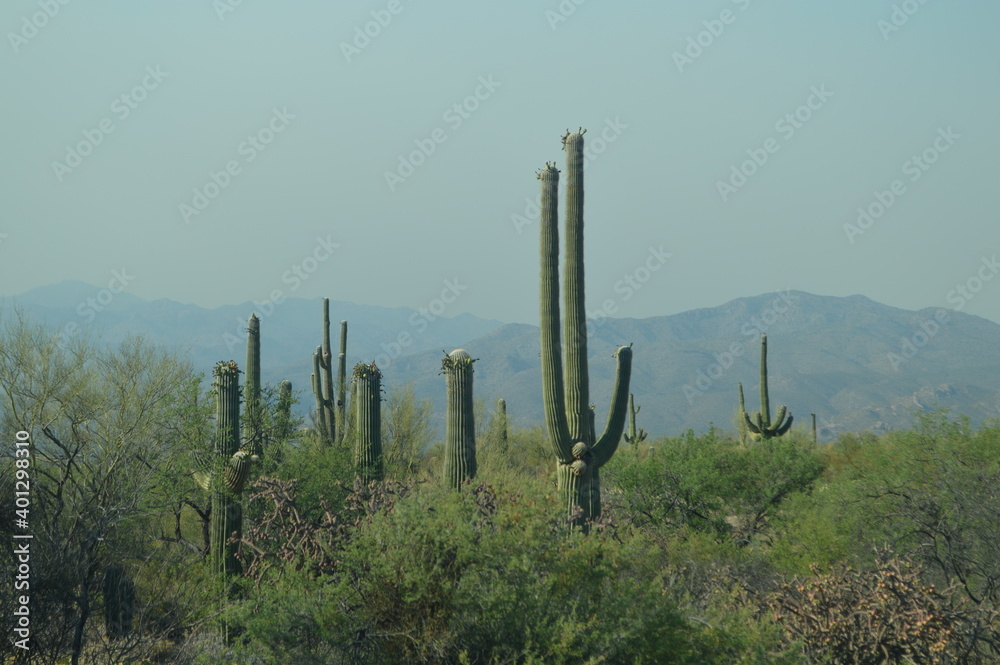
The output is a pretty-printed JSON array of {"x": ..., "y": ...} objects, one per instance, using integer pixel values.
[{"x": 855, "y": 363}]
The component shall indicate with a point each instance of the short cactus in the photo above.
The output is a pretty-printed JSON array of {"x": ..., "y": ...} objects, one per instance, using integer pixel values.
[
  {"x": 761, "y": 425},
  {"x": 367, "y": 403},
  {"x": 316, "y": 379},
  {"x": 460, "y": 431},
  {"x": 632, "y": 435},
  {"x": 326, "y": 363}
]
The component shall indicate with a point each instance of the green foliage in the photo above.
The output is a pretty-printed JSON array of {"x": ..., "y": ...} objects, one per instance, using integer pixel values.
[
  {"x": 711, "y": 483},
  {"x": 406, "y": 424}
]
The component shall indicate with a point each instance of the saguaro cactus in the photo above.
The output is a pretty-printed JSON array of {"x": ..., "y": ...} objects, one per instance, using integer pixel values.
[
  {"x": 227, "y": 513},
  {"x": 633, "y": 436},
  {"x": 460, "y": 431},
  {"x": 341, "y": 419},
  {"x": 119, "y": 603},
  {"x": 760, "y": 425},
  {"x": 367, "y": 403},
  {"x": 326, "y": 363},
  {"x": 252, "y": 409},
  {"x": 568, "y": 416},
  {"x": 500, "y": 427},
  {"x": 741, "y": 424},
  {"x": 316, "y": 379}
]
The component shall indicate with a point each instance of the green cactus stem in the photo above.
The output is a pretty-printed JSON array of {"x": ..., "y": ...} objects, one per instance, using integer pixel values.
[
  {"x": 119, "y": 603},
  {"x": 326, "y": 363},
  {"x": 227, "y": 512},
  {"x": 316, "y": 378},
  {"x": 568, "y": 417},
  {"x": 741, "y": 424},
  {"x": 341, "y": 419},
  {"x": 252, "y": 410},
  {"x": 633, "y": 436},
  {"x": 460, "y": 430},
  {"x": 367, "y": 402},
  {"x": 761, "y": 425},
  {"x": 813, "y": 426},
  {"x": 501, "y": 427}
]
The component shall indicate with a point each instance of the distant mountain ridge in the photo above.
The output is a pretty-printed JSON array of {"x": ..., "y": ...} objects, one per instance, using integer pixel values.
[{"x": 856, "y": 363}]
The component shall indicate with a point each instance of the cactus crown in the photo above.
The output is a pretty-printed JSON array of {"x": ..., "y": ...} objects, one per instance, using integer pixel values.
[
  {"x": 225, "y": 368},
  {"x": 365, "y": 370},
  {"x": 457, "y": 359}
]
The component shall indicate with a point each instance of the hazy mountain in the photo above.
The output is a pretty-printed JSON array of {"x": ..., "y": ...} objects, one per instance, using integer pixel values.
[{"x": 842, "y": 358}]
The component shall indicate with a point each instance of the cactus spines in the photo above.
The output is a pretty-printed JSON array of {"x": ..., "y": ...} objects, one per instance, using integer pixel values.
[
  {"x": 460, "y": 431},
  {"x": 119, "y": 603},
  {"x": 367, "y": 403},
  {"x": 568, "y": 416},
  {"x": 252, "y": 412},
  {"x": 761, "y": 425},
  {"x": 632, "y": 435},
  {"x": 341, "y": 419},
  {"x": 326, "y": 363},
  {"x": 227, "y": 513}
]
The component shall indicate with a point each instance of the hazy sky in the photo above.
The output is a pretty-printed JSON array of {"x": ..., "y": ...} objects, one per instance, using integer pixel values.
[{"x": 221, "y": 152}]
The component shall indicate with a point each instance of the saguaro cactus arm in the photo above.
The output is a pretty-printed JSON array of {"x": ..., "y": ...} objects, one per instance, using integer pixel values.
[{"x": 608, "y": 443}]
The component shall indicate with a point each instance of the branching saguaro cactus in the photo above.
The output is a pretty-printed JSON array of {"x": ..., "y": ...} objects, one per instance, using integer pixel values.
[
  {"x": 460, "y": 431},
  {"x": 119, "y": 603},
  {"x": 326, "y": 363},
  {"x": 568, "y": 416},
  {"x": 367, "y": 403},
  {"x": 760, "y": 425},
  {"x": 632, "y": 435},
  {"x": 316, "y": 379},
  {"x": 341, "y": 419},
  {"x": 252, "y": 409},
  {"x": 227, "y": 512}
]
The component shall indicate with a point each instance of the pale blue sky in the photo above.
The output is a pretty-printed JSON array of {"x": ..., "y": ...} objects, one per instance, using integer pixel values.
[{"x": 680, "y": 130}]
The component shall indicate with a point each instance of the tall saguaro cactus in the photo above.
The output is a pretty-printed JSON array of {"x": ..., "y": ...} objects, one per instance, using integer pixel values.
[
  {"x": 316, "y": 379},
  {"x": 326, "y": 363},
  {"x": 227, "y": 513},
  {"x": 568, "y": 416},
  {"x": 632, "y": 435},
  {"x": 460, "y": 431},
  {"x": 500, "y": 427},
  {"x": 252, "y": 408},
  {"x": 760, "y": 425},
  {"x": 367, "y": 403},
  {"x": 342, "y": 384}
]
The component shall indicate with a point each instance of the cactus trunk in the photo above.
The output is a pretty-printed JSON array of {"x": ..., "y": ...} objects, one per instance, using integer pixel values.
[
  {"x": 316, "y": 378},
  {"x": 501, "y": 427},
  {"x": 119, "y": 603},
  {"x": 227, "y": 513},
  {"x": 368, "y": 421},
  {"x": 568, "y": 416},
  {"x": 252, "y": 411},
  {"x": 341, "y": 419},
  {"x": 326, "y": 363},
  {"x": 460, "y": 431}
]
